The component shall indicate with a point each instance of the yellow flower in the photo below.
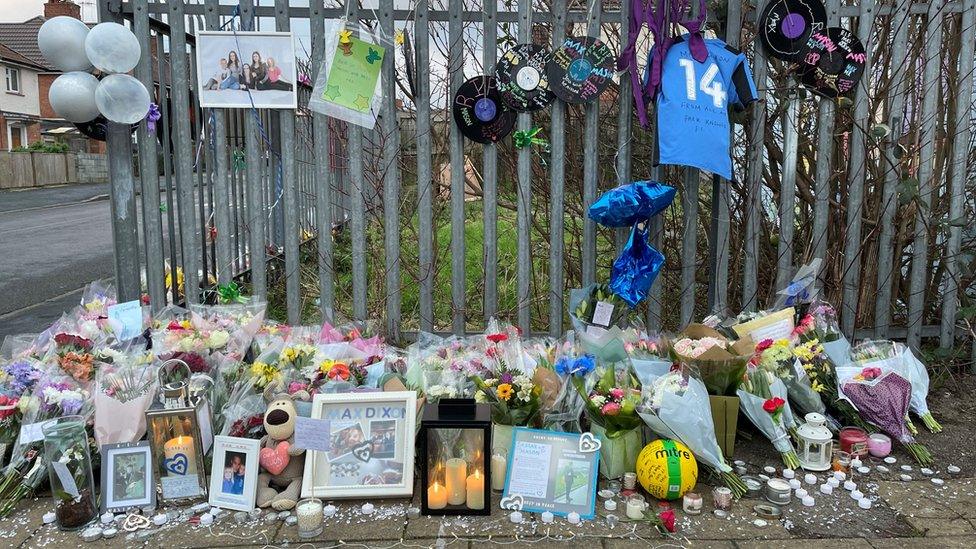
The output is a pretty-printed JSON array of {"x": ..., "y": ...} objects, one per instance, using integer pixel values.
[
  {"x": 817, "y": 386},
  {"x": 265, "y": 373},
  {"x": 504, "y": 391},
  {"x": 289, "y": 354}
]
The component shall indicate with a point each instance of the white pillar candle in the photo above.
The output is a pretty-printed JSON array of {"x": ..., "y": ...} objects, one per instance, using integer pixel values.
[
  {"x": 475, "y": 486},
  {"x": 498, "y": 468},
  {"x": 436, "y": 496},
  {"x": 456, "y": 477},
  {"x": 182, "y": 445}
]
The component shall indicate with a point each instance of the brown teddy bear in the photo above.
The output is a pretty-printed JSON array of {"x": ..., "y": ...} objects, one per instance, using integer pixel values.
[{"x": 282, "y": 463}]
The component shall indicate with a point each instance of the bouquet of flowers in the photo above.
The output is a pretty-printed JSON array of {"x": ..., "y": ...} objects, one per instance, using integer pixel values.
[
  {"x": 75, "y": 356},
  {"x": 900, "y": 359},
  {"x": 514, "y": 398},
  {"x": 51, "y": 397},
  {"x": 90, "y": 319},
  {"x": 762, "y": 397},
  {"x": 790, "y": 364},
  {"x": 17, "y": 378},
  {"x": 599, "y": 318},
  {"x": 675, "y": 405},
  {"x": 611, "y": 406},
  {"x": 648, "y": 355},
  {"x": 240, "y": 321},
  {"x": 883, "y": 397},
  {"x": 197, "y": 347},
  {"x": 564, "y": 414},
  {"x": 440, "y": 368},
  {"x": 123, "y": 392},
  {"x": 721, "y": 363},
  {"x": 820, "y": 322}
]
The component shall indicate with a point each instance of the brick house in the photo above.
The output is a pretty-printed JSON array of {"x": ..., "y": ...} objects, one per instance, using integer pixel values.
[
  {"x": 21, "y": 40},
  {"x": 20, "y": 110}
]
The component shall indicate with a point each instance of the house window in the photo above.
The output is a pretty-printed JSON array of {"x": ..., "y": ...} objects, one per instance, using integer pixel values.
[{"x": 13, "y": 80}]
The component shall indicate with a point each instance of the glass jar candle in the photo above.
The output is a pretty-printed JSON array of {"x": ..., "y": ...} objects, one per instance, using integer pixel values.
[
  {"x": 692, "y": 503},
  {"x": 722, "y": 498},
  {"x": 70, "y": 471},
  {"x": 841, "y": 461},
  {"x": 636, "y": 505},
  {"x": 309, "y": 513},
  {"x": 854, "y": 441},
  {"x": 879, "y": 445}
]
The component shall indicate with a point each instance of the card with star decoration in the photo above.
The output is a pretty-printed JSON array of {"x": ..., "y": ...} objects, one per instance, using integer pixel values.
[{"x": 353, "y": 74}]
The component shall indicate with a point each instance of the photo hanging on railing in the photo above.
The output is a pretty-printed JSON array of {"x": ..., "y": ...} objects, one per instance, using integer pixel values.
[{"x": 238, "y": 69}]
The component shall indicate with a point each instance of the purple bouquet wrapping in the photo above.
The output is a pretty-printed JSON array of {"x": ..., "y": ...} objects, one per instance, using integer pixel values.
[{"x": 883, "y": 399}]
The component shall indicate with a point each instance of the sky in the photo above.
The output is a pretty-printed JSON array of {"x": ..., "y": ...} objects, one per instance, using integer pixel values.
[{"x": 16, "y": 11}]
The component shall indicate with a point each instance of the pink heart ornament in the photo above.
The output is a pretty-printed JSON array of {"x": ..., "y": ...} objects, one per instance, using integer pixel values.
[{"x": 274, "y": 460}]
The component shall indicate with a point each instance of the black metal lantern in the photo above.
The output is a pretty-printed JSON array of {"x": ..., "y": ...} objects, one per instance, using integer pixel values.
[{"x": 455, "y": 445}]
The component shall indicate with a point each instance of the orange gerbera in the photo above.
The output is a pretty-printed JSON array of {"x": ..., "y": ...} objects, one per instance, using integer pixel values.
[
  {"x": 339, "y": 370},
  {"x": 504, "y": 391}
]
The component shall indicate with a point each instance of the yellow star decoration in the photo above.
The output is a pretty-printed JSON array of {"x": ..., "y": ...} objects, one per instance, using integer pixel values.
[
  {"x": 398, "y": 38},
  {"x": 362, "y": 102},
  {"x": 345, "y": 36}
]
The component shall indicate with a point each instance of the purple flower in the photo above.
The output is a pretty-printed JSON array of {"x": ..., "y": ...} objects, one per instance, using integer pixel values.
[
  {"x": 22, "y": 376},
  {"x": 70, "y": 406},
  {"x": 506, "y": 378}
]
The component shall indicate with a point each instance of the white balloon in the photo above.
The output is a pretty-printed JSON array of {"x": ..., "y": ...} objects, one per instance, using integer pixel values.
[
  {"x": 72, "y": 96},
  {"x": 62, "y": 41},
  {"x": 112, "y": 48},
  {"x": 121, "y": 98}
]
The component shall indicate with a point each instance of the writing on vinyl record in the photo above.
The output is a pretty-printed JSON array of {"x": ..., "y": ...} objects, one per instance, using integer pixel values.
[
  {"x": 522, "y": 80},
  {"x": 580, "y": 69},
  {"x": 479, "y": 111},
  {"x": 831, "y": 62},
  {"x": 785, "y": 26}
]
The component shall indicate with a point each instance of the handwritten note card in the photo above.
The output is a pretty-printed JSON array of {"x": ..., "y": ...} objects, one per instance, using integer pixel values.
[
  {"x": 353, "y": 74},
  {"x": 312, "y": 434},
  {"x": 126, "y": 319}
]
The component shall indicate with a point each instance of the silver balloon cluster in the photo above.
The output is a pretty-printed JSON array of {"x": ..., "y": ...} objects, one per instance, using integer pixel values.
[{"x": 76, "y": 95}]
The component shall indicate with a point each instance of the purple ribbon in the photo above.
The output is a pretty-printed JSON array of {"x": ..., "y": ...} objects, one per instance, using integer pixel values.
[
  {"x": 152, "y": 117},
  {"x": 659, "y": 15}
]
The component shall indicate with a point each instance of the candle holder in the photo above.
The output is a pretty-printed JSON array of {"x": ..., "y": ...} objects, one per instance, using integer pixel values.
[
  {"x": 455, "y": 448},
  {"x": 310, "y": 517},
  {"x": 816, "y": 443},
  {"x": 180, "y": 434}
]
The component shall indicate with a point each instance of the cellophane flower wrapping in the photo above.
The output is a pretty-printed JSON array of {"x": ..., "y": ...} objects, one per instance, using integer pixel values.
[
  {"x": 567, "y": 408},
  {"x": 439, "y": 367},
  {"x": 508, "y": 384},
  {"x": 758, "y": 391},
  {"x": 17, "y": 378},
  {"x": 649, "y": 354},
  {"x": 123, "y": 391},
  {"x": 243, "y": 414},
  {"x": 240, "y": 321},
  {"x": 600, "y": 319},
  {"x": 900, "y": 358},
  {"x": 611, "y": 407}
]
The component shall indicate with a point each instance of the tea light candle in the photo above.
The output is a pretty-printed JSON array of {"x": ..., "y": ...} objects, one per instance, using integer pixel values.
[
  {"x": 548, "y": 517},
  {"x": 330, "y": 510},
  {"x": 367, "y": 509},
  {"x": 807, "y": 501},
  {"x": 692, "y": 503},
  {"x": 856, "y": 495},
  {"x": 864, "y": 503},
  {"x": 833, "y": 482},
  {"x": 610, "y": 505},
  {"x": 890, "y": 460},
  {"x": 850, "y": 485},
  {"x": 475, "y": 486},
  {"x": 840, "y": 475},
  {"x": 310, "y": 515},
  {"x": 499, "y": 464},
  {"x": 788, "y": 473},
  {"x": 826, "y": 489},
  {"x": 953, "y": 469},
  {"x": 938, "y": 481},
  {"x": 769, "y": 470},
  {"x": 456, "y": 478},
  {"x": 160, "y": 519},
  {"x": 630, "y": 481},
  {"x": 882, "y": 469},
  {"x": 182, "y": 445},
  {"x": 206, "y": 519},
  {"x": 516, "y": 517},
  {"x": 855, "y": 463},
  {"x": 49, "y": 517},
  {"x": 795, "y": 483},
  {"x": 92, "y": 533},
  {"x": 107, "y": 518},
  {"x": 800, "y": 493},
  {"x": 437, "y": 496},
  {"x": 573, "y": 517},
  {"x": 810, "y": 478}
]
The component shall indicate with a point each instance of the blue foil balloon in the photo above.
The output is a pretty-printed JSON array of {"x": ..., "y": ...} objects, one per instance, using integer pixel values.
[
  {"x": 630, "y": 204},
  {"x": 635, "y": 270}
]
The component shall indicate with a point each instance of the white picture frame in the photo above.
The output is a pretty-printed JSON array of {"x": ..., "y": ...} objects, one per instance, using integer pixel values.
[
  {"x": 342, "y": 472},
  {"x": 127, "y": 476},
  {"x": 233, "y": 455},
  {"x": 216, "y": 84}
]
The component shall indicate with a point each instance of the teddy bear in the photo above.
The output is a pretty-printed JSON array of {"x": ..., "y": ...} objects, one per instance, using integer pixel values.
[{"x": 282, "y": 463}]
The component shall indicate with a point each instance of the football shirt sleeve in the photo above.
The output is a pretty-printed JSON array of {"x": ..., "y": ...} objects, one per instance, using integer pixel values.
[{"x": 745, "y": 88}]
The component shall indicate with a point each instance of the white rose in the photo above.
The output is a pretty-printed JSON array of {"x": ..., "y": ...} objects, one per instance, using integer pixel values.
[{"x": 218, "y": 339}]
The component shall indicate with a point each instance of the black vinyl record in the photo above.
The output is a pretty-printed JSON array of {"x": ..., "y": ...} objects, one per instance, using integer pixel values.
[
  {"x": 785, "y": 26},
  {"x": 831, "y": 62},
  {"x": 479, "y": 111},
  {"x": 580, "y": 69},
  {"x": 522, "y": 80}
]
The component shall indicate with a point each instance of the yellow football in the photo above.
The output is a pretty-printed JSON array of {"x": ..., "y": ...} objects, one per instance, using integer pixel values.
[{"x": 667, "y": 469}]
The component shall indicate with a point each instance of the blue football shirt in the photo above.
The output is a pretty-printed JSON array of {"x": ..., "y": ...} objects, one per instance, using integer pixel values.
[{"x": 692, "y": 105}]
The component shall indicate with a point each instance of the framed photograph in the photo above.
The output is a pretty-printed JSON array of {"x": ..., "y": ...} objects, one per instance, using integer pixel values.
[
  {"x": 127, "y": 476},
  {"x": 551, "y": 471},
  {"x": 234, "y": 473},
  {"x": 236, "y": 68},
  {"x": 371, "y": 446}
]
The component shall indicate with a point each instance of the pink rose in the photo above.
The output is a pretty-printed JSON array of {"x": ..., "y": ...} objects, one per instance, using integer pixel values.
[
  {"x": 617, "y": 393},
  {"x": 610, "y": 409}
]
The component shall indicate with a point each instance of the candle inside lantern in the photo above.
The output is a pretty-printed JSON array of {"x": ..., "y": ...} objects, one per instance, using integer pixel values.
[
  {"x": 176, "y": 447},
  {"x": 498, "y": 466},
  {"x": 475, "y": 486},
  {"x": 436, "y": 496},
  {"x": 456, "y": 479}
]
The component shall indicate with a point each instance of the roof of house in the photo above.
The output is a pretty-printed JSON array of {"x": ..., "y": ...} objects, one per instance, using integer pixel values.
[
  {"x": 10, "y": 56},
  {"x": 22, "y": 38}
]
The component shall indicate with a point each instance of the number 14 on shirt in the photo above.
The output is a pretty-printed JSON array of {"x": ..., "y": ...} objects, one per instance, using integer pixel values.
[{"x": 708, "y": 85}]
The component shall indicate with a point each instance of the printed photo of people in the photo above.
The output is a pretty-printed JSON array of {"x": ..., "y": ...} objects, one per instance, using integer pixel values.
[
  {"x": 572, "y": 479},
  {"x": 236, "y": 70},
  {"x": 129, "y": 477},
  {"x": 382, "y": 434},
  {"x": 344, "y": 440},
  {"x": 234, "y": 473}
]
